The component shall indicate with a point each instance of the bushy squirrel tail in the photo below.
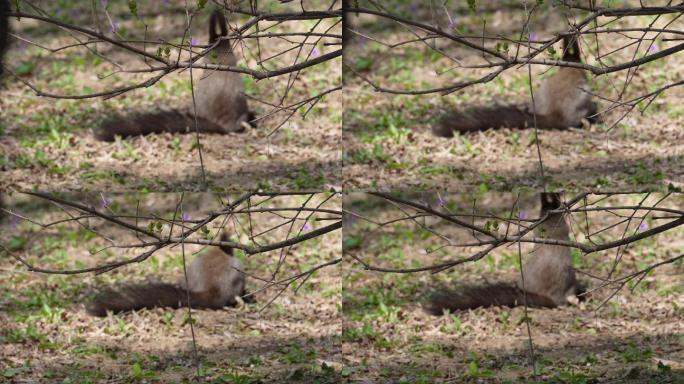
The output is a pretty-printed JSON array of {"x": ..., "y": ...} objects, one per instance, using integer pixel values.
[
  {"x": 500, "y": 294},
  {"x": 483, "y": 118},
  {"x": 153, "y": 295},
  {"x": 171, "y": 121},
  {"x": 134, "y": 297}
]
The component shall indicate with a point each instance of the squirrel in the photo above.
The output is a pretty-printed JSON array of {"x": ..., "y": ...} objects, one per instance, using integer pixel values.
[
  {"x": 221, "y": 106},
  {"x": 561, "y": 102},
  {"x": 215, "y": 279},
  {"x": 549, "y": 277}
]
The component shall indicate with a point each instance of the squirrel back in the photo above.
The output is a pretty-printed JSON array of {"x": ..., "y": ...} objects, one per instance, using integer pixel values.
[
  {"x": 220, "y": 94},
  {"x": 548, "y": 270}
]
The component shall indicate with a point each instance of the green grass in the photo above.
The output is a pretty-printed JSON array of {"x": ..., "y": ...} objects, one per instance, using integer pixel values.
[
  {"x": 305, "y": 180},
  {"x": 643, "y": 175}
]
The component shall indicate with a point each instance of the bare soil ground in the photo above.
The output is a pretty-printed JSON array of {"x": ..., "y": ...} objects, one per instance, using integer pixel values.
[
  {"x": 637, "y": 337},
  {"x": 47, "y": 143},
  {"x": 387, "y": 138},
  {"x": 47, "y": 337}
]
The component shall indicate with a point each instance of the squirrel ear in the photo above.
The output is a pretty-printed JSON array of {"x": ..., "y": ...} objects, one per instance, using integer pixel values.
[
  {"x": 224, "y": 237},
  {"x": 550, "y": 200},
  {"x": 571, "y": 50},
  {"x": 217, "y": 18}
]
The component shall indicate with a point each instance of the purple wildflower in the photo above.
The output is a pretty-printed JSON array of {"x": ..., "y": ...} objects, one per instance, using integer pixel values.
[
  {"x": 114, "y": 27},
  {"x": 166, "y": 2},
  {"x": 652, "y": 48},
  {"x": 642, "y": 226},
  {"x": 451, "y": 24},
  {"x": 105, "y": 201},
  {"x": 306, "y": 227},
  {"x": 532, "y": 37},
  {"x": 185, "y": 216},
  {"x": 315, "y": 52},
  {"x": 522, "y": 215},
  {"x": 104, "y": 3},
  {"x": 193, "y": 41},
  {"x": 441, "y": 201}
]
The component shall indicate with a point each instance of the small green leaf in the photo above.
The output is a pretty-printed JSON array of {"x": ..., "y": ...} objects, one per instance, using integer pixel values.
[
  {"x": 24, "y": 68},
  {"x": 9, "y": 372},
  {"x": 472, "y": 367},
  {"x": 471, "y": 5},
  {"x": 133, "y": 6},
  {"x": 363, "y": 64},
  {"x": 136, "y": 371}
]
